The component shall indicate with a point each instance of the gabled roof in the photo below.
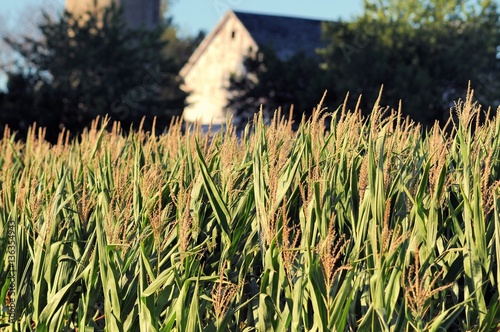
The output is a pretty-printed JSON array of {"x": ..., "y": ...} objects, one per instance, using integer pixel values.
[
  {"x": 286, "y": 35},
  {"x": 204, "y": 44}
]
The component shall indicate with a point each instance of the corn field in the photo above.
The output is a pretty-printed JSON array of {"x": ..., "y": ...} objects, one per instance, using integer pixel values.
[{"x": 373, "y": 225}]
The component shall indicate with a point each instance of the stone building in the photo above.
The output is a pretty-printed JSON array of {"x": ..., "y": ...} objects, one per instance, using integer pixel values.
[
  {"x": 137, "y": 13},
  {"x": 221, "y": 54}
]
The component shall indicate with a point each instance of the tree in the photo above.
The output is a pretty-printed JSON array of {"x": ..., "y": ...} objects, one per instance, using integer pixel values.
[
  {"x": 89, "y": 66},
  {"x": 181, "y": 48},
  {"x": 424, "y": 52},
  {"x": 17, "y": 105},
  {"x": 272, "y": 82}
]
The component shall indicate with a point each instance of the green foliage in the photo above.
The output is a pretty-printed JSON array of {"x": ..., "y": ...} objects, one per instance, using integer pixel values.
[
  {"x": 422, "y": 52},
  {"x": 92, "y": 65},
  {"x": 274, "y": 82},
  {"x": 370, "y": 227},
  {"x": 178, "y": 48}
]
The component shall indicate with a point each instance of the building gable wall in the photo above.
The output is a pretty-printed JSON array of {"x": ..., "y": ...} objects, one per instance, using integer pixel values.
[{"x": 208, "y": 77}]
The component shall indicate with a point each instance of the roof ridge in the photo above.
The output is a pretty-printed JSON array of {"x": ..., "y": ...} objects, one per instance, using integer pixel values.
[{"x": 237, "y": 12}]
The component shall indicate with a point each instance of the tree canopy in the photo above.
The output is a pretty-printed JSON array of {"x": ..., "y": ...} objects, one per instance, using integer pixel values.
[
  {"x": 272, "y": 82},
  {"x": 92, "y": 65},
  {"x": 424, "y": 53}
]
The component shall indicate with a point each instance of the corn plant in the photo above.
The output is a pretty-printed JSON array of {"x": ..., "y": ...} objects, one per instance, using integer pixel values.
[{"x": 347, "y": 223}]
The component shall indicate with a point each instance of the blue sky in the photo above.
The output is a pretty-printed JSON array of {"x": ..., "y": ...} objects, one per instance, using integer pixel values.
[{"x": 192, "y": 15}]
